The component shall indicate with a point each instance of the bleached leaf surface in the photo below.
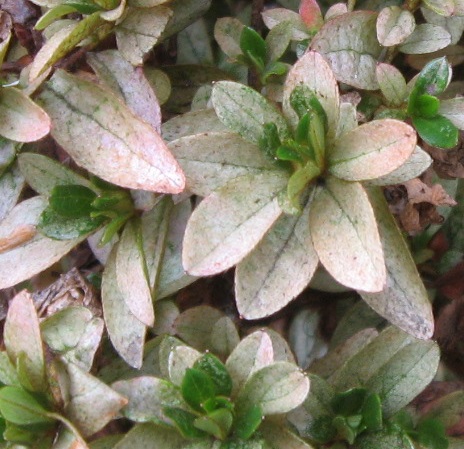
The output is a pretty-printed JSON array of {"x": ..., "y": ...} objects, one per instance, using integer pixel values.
[
  {"x": 154, "y": 229},
  {"x": 453, "y": 24},
  {"x": 275, "y": 16},
  {"x": 417, "y": 163},
  {"x": 129, "y": 83},
  {"x": 394, "y": 25},
  {"x": 23, "y": 248},
  {"x": 43, "y": 173},
  {"x": 404, "y": 300},
  {"x": 195, "y": 122},
  {"x": 282, "y": 437},
  {"x": 181, "y": 358},
  {"x": 195, "y": 326},
  {"x": 209, "y": 160},
  {"x": 253, "y": 353},
  {"x": 453, "y": 110},
  {"x": 372, "y": 150},
  {"x": 11, "y": 186},
  {"x": 140, "y": 30},
  {"x": 62, "y": 42},
  {"x": 348, "y": 119},
  {"x": 405, "y": 375},
  {"x": 23, "y": 340},
  {"x": 312, "y": 71},
  {"x": 74, "y": 334},
  {"x": 143, "y": 436},
  {"x": 426, "y": 38},
  {"x": 20, "y": 118},
  {"x": 106, "y": 138},
  {"x": 278, "y": 269},
  {"x": 146, "y": 3},
  {"x": 345, "y": 236},
  {"x": 194, "y": 44},
  {"x": 446, "y": 8},
  {"x": 126, "y": 332},
  {"x": 172, "y": 276},
  {"x": 392, "y": 84},
  {"x": 245, "y": 111},
  {"x": 368, "y": 362},
  {"x": 92, "y": 404},
  {"x": 227, "y": 31},
  {"x": 224, "y": 337},
  {"x": 352, "y": 55},
  {"x": 130, "y": 273},
  {"x": 230, "y": 222},
  {"x": 147, "y": 396},
  {"x": 277, "y": 388}
]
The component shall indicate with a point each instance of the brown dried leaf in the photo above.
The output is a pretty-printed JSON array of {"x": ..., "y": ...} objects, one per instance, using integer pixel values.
[{"x": 419, "y": 192}]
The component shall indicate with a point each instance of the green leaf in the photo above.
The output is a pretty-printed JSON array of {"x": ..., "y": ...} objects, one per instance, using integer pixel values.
[
  {"x": 71, "y": 200},
  {"x": 426, "y": 106},
  {"x": 217, "y": 372},
  {"x": 20, "y": 407},
  {"x": 431, "y": 434},
  {"x": 19, "y": 435},
  {"x": 322, "y": 429},
  {"x": 344, "y": 429},
  {"x": 216, "y": 403},
  {"x": 84, "y": 6},
  {"x": 248, "y": 422},
  {"x": 349, "y": 402},
  {"x": 252, "y": 44},
  {"x": 245, "y": 111},
  {"x": 433, "y": 79},
  {"x": 184, "y": 422},
  {"x": 217, "y": 423},
  {"x": 372, "y": 413},
  {"x": 197, "y": 387},
  {"x": 437, "y": 131},
  {"x": 59, "y": 227}
]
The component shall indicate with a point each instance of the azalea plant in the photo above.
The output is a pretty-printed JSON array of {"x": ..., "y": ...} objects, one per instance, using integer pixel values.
[{"x": 292, "y": 164}]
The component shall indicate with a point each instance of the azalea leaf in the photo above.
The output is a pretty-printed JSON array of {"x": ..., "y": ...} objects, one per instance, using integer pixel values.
[
  {"x": 426, "y": 38},
  {"x": 278, "y": 269},
  {"x": 311, "y": 14},
  {"x": 139, "y": 158},
  {"x": 23, "y": 340},
  {"x": 226, "y": 226},
  {"x": 253, "y": 353},
  {"x": 129, "y": 83},
  {"x": 126, "y": 332},
  {"x": 227, "y": 32},
  {"x": 245, "y": 111},
  {"x": 372, "y": 150},
  {"x": 181, "y": 358},
  {"x": 394, "y": 25},
  {"x": 352, "y": 56},
  {"x": 20, "y": 118},
  {"x": 391, "y": 83},
  {"x": 345, "y": 236},
  {"x": 272, "y": 17},
  {"x": 24, "y": 248},
  {"x": 143, "y": 435},
  {"x": 437, "y": 131},
  {"x": 131, "y": 276},
  {"x": 313, "y": 72},
  {"x": 147, "y": 398},
  {"x": 277, "y": 388},
  {"x": 211, "y": 159},
  {"x": 453, "y": 110},
  {"x": 404, "y": 300},
  {"x": 140, "y": 30}
]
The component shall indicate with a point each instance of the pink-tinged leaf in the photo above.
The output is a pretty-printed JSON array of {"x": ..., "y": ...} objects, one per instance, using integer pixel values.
[
  {"x": 127, "y": 333},
  {"x": 227, "y": 32},
  {"x": 372, "y": 150},
  {"x": 394, "y": 25},
  {"x": 23, "y": 340},
  {"x": 312, "y": 71},
  {"x": 129, "y": 83},
  {"x": 311, "y": 14},
  {"x": 25, "y": 249},
  {"x": 275, "y": 16},
  {"x": 404, "y": 300},
  {"x": 20, "y": 118},
  {"x": 345, "y": 235},
  {"x": 278, "y": 269},
  {"x": 229, "y": 223},
  {"x": 106, "y": 138}
]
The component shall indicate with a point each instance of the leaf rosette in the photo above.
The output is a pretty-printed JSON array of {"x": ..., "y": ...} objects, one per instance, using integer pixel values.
[{"x": 304, "y": 202}]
